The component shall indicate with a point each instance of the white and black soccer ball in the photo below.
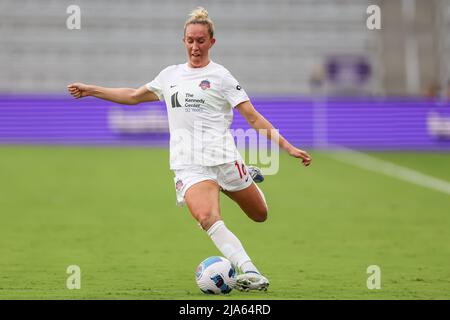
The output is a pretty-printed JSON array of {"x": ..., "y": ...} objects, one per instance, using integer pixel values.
[{"x": 215, "y": 275}]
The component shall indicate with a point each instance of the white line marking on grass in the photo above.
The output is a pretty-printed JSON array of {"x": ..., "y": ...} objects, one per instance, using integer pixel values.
[{"x": 370, "y": 163}]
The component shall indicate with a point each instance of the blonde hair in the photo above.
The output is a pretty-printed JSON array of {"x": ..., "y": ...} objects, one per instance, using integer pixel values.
[{"x": 200, "y": 16}]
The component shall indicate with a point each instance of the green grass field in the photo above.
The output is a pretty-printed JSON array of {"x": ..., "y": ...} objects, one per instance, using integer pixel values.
[{"x": 112, "y": 212}]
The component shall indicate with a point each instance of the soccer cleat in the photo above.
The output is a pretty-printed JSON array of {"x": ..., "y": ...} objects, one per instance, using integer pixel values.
[
  {"x": 251, "y": 281},
  {"x": 256, "y": 174}
]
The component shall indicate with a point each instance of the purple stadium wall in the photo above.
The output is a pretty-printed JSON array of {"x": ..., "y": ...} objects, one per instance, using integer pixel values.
[{"x": 370, "y": 124}]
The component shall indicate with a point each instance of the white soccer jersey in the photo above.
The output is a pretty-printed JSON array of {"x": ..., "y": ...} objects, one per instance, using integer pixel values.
[{"x": 199, "y": 105}]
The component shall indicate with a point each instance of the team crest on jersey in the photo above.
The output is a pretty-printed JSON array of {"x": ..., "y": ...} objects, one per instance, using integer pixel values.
[
  {"x": 205, "y": 84},
  {"x": 179, "y": 185}
]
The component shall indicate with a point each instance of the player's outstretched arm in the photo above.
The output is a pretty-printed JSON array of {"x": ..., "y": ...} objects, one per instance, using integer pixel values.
[
  {"x": 119, "y": 95},
  {"x": 259, "y": 123}
]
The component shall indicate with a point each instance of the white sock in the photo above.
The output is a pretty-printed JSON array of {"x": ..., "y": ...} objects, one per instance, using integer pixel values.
[{"x": 230, "y": 246}]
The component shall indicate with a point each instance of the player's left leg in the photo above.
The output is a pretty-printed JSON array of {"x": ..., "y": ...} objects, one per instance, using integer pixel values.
[
  {"x": 236, "y": 182},
  {"x": 252, "y": 202}
]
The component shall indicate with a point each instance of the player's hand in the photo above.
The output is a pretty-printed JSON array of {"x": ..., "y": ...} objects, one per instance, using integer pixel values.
[
  {"x": 300, "y": 154},
  {"x": 78, "y": 90}
]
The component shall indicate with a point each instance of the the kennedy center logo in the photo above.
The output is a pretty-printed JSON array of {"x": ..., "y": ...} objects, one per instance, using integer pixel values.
[{"x": 174, "y": 101}]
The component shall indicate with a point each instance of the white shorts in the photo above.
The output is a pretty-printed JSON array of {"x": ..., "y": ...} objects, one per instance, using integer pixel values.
[{"x": 232, "y": 176}]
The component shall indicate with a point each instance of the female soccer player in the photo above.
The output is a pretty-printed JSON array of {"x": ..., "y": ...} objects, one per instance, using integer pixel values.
[{"x": 200, "y": 96}]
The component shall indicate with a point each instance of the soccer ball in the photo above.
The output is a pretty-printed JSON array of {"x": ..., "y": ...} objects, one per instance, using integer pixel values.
[{"x": 215, "y": 275}]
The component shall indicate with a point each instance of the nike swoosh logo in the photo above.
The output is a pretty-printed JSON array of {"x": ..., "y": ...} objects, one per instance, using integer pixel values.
[
  {"x": 172, "y": 86},
  {"x": 246, "y": 179}
]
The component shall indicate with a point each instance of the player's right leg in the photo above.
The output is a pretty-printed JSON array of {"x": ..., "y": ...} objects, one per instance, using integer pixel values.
[
  {"x": 252, "y": 202},
  {"x": 251, "y": 281},
  {"x": 235, "y": 183},
  {"x": 202, "y": 199}
]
